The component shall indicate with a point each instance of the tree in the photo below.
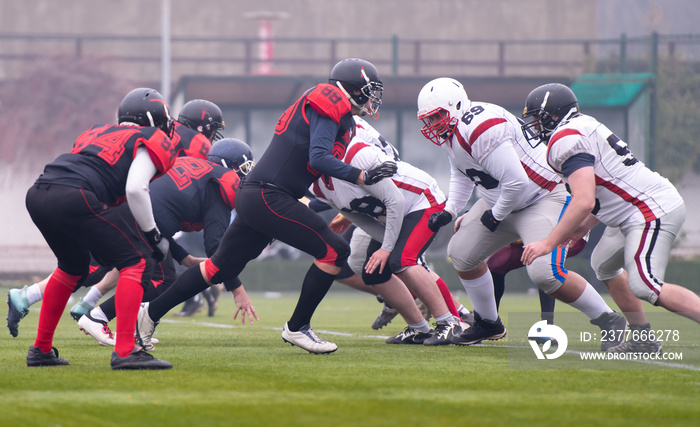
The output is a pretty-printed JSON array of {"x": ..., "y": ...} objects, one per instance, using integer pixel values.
[
  {"x": 51, "y": 104},
  {"x": 678, "y": 124}
]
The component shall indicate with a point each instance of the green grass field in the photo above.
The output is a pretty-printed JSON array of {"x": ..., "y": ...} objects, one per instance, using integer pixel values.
[{"x": 228, "y": 374}]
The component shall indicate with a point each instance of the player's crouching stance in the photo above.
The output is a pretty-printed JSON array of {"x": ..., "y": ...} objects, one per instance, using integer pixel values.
[
  {"x": 72, "y": 205},
  {"x": 395, "y": 213},
  {"x": 308, "y": 137},
  {"x": 520, "y": 197},
  {"x": 642, "y": 210}
]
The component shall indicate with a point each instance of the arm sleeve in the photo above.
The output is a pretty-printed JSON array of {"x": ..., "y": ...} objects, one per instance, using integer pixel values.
[
  {"x": 217, "y": 216},
  {"x": 386, "y": 191},
  {"x": 460, "y": 190},
  {"x": 323, "y": 131},
  {"x": 178, "y": 252},
  {"x": 503, "y": 164},
  {"x": 368, "y": 224},
  {"x": 318, "y": 205},
  {"x": 140, "y": 174},
  {"x": 576, "y": 162}
]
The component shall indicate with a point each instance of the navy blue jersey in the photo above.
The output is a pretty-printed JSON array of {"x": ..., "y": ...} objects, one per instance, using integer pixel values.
[
  {"x": 101, "y": 157},
  {"x": 319, "y": 125},
  {"x": 189, "y": 142},
  {"x": 194, "y": 195}
]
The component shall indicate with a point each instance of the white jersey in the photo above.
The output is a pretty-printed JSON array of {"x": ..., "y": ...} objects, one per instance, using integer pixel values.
[
  {"x": 514, "y": 177},
  {"x": 365, "y": 132},
  {"x": 417, "y": 189},
  {"x": 627, "y": 192}
]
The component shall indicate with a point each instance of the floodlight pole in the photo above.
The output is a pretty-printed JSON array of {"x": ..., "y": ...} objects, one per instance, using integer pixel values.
[{"x": 165, "y": 61}]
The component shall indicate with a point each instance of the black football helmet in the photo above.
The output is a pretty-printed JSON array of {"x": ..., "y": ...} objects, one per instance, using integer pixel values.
[
  {"x": 145, "y": 107},
  {"x": 233, "y": 154},
  {"x": 359, "y": 81},
  {"x": 203, "y": 116},
  {"x": 546, "y": 107}
]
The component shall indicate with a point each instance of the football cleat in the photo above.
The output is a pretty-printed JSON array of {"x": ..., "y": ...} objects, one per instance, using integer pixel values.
[
  {"x": 410, "y": 336},
  {"x": 445, "y": 331},
  {"x": 80, "y": 309},
  {"x": 613, "y": 326},
  {"x": 17, "y": 308},
  {"x": 145, "y": 328},
  {"x": 36, "y": 357},
  {"x": 385, "y": 317},
  {"x": 641, "y": 340},
  {"x": 211, "y": 295},
  {"x": 467, "y": 317},
  {"x": 97, "y": 329},
  {"x": 191, "y": 307},
  {"x": 306, "y": 338},
  {"x": 481, "y": 330},
  {"x": 138, "y": 359}
]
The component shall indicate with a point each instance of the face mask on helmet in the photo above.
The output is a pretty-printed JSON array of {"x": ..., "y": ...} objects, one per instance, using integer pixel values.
[
  {"x": 546, "y": 107},
  {"x": 441, "y": 104},
  {"x": 234, "y": 154},
  {"x": 203, "y": 116},
  {"x": 145, "y": 107},
  {"x": 359, "y": 81}
]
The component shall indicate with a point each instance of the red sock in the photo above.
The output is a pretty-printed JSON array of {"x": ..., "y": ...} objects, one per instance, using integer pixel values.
[
  {"x": 56, "y": 294},
  {"x": 447, "y": 296},
  {"x": 127, "y": 303}
]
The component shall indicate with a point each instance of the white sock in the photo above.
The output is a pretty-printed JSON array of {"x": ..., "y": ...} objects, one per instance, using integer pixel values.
[
  {"x": 420, "y": 326},
  {"x": 93, "y": 296},
  {"x": 480, "y": 291},
  {"x": 97, "y": 314},
  {"x": 34, "y": 294},
  {"x": 591, "y": 303},
  {"x": 447, "y": 317},
  {"x": 462, "y": 309}
]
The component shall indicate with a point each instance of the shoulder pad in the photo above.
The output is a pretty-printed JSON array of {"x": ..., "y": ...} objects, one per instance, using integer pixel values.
[{"x": 329, "y": 101}]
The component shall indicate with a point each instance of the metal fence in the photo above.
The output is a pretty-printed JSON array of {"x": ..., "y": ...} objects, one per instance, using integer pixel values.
[{"x": 395, "y": 56}]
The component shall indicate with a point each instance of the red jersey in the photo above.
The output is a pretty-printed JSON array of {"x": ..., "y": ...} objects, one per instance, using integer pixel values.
[
  {"x": 101, "y": 158},
  {"x": 189, "y": 142}
]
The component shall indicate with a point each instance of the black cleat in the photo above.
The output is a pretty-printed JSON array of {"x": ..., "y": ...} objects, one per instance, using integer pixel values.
[
  {"x": 36, "y": 357},
  {"x": 138, "y": 359},
  {"x": 191, "y": 307},
  {"x": 211, "y": 295},
  {"x": 612, "y": 328},
  {"x": 410, "y": 336},
  {"x": 446, "y": 332},
  {"x": 481, "y": 330}
]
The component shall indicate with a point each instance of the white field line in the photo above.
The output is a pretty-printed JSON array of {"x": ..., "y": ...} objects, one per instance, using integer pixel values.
[{"x": 343, "y": 334}]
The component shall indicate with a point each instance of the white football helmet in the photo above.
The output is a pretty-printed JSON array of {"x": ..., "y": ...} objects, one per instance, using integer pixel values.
[{"x": 441, "y": 104}]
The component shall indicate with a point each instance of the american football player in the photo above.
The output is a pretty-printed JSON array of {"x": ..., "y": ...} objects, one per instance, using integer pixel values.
[
  {"x": 520, "y": 197},
  {"x": 642, "y": 210}
]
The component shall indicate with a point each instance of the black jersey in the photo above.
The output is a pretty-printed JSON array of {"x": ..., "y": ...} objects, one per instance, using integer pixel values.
[
  {"x": 285, "y": 163},
  {"x": 195, "y": 194},
  {"x": 101, "y": 157},
  {"x": 189, "y": 142}
]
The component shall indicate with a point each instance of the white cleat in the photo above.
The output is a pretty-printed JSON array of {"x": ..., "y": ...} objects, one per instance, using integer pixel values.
[
  {"x": 145, "y": 328},
  {"x": 308, "y": 340},
  {"x": 96, "y": 329}
]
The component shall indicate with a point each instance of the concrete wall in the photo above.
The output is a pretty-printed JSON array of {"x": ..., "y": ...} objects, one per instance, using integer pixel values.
[{"x": 373, "y": 22}]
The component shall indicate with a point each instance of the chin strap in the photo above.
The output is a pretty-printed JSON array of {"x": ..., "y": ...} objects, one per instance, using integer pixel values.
[{"x": 363, "y": 110}]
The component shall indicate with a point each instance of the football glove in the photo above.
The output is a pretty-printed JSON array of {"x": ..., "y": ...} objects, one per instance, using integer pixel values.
[
  {"x": 438, "y": 220},
  {"x": 489, "y": 221},
  {"x": 158, "y": 244},
  {"x": 376, "y": 174}
]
